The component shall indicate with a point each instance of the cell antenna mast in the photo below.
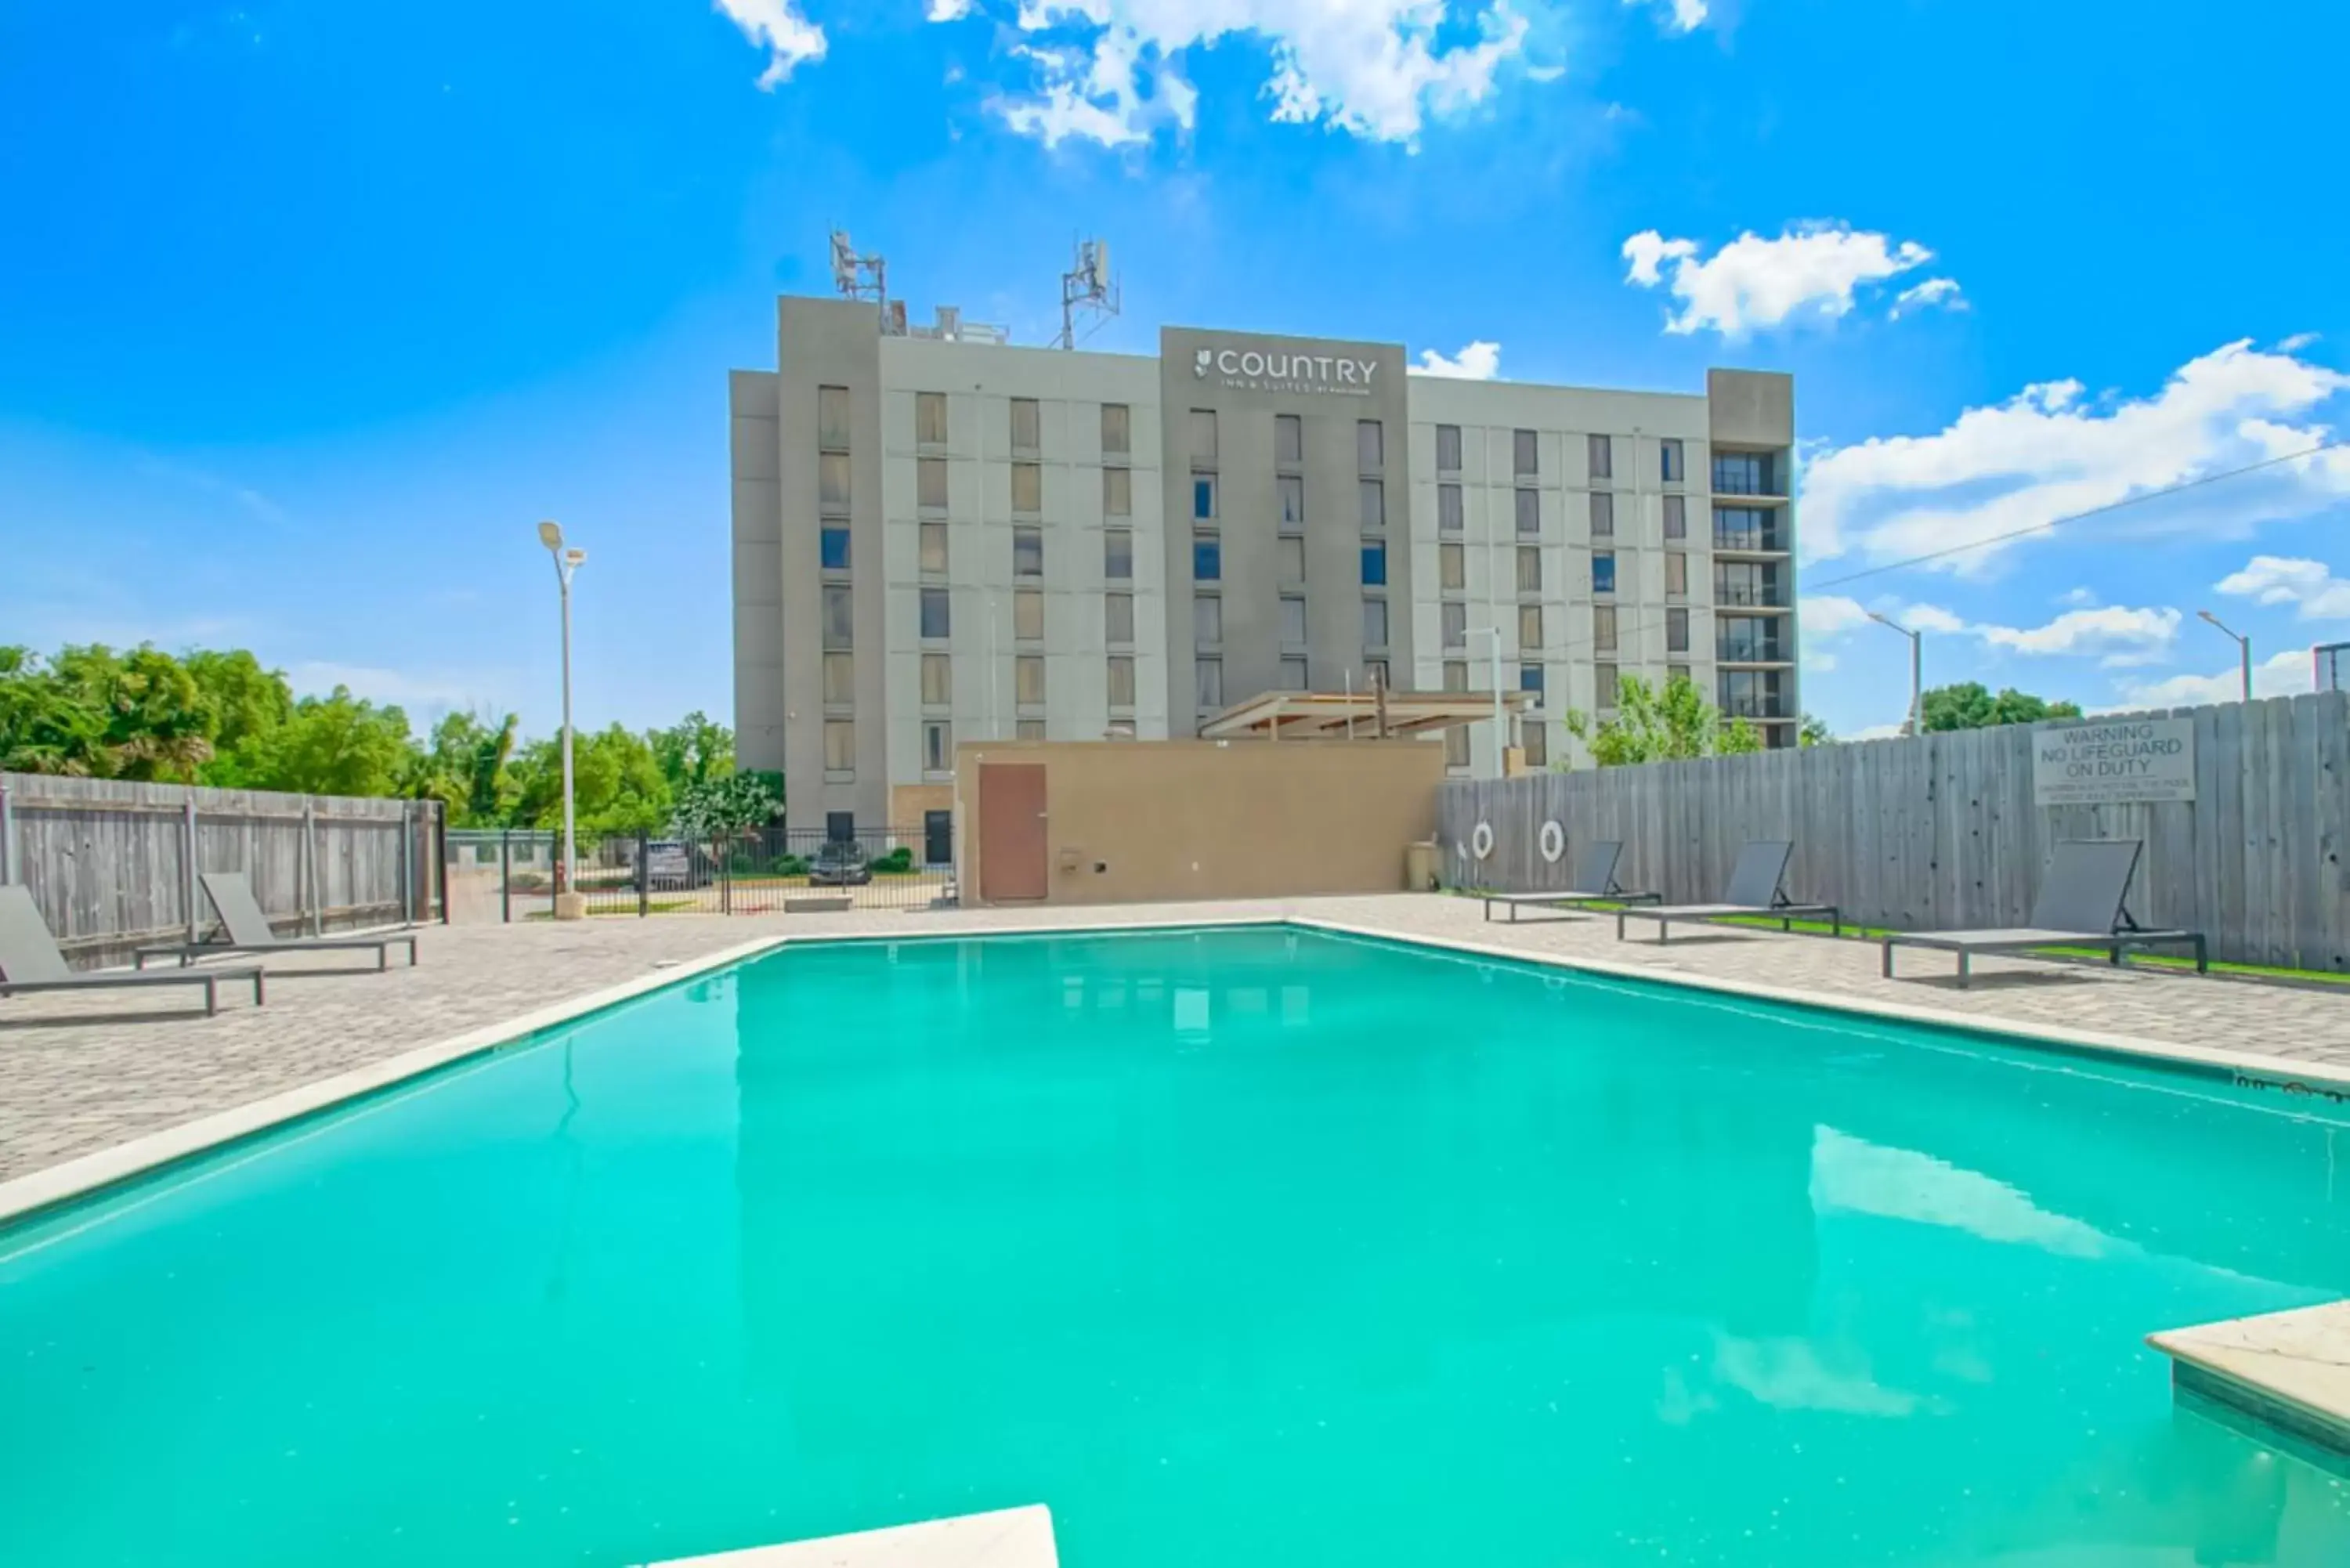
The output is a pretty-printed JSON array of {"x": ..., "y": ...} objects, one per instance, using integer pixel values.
[
  {"x": 857, "y": 277},
  {"x": 1089, "y": 286}
]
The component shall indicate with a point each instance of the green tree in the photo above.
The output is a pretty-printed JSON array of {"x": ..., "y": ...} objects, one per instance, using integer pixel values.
[
  {"x": 45, "y": 726},
  {"x": 1814, "y": 732},
  {"x": 617, "y": 784},
  {"x": 1969, "y": 706},
  {"x": 1653, "y": 725},
  {"x": 693, "y": 751},
  {"x": 729, "y": 805},
  {"x": 336, "y": 744},
  {"x": 245, "y": 702},
  {"x": 465, "y": 768}
]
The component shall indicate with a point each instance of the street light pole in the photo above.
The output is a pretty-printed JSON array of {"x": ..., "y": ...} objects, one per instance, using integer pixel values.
[
  {"x": 566, "y": 561},
  {"x": 1917, "y": 672},
  {"x": 2243, "y": 648},
  {"x": 1501, "y": 735}
]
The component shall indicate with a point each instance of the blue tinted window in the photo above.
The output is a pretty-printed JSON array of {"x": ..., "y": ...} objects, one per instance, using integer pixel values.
[
  {"x": 1207, "y": 561},
  {"x": 1204, "y": 496},
  {"x": 836, "y": 549},
  {"x": 1375, "y": 565},
  {"x": 1603, "y": 572},
  {"x": 1530, "y": 677}
]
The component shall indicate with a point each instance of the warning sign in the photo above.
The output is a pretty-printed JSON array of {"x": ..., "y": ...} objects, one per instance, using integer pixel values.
[{"x": 2110, "y": 764}]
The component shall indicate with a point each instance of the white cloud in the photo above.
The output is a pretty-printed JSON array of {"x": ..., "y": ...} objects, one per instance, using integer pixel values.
[
  {"x": 1930, "y": 617},
  {"x": 1680, "y": 15},
  {"x": 1811, "y": 270},
  {"x": 1829, "y": 615},
  {"x": 947, "y": 10},
  {"x": 2051, "y": 451},
  {"x": 2310, "y": 586},
  {"x": 790, "y": 39},
  {"x": 2280, "y": 675},
  {"x": 1375, "y": 68},
  {"x": 2115, "y": 635},
  {"x": 1880, "y": 733},
  {"x": 2081, "y": 596},
  {"x": 428, "y": 692},
  {"x": 1480, "y": 361},
  {"x": 1941, "y": 291}
]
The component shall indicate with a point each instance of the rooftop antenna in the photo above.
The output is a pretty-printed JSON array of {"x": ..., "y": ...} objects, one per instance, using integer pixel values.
[
  {"x": 860, "y": 277},
  {"x": 1088, "y": 287}
]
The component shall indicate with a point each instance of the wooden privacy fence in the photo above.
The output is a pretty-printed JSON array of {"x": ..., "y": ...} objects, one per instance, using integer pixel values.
[
  {"x": 114, "y": 864},
  {"x": 1941, "y": 831}
]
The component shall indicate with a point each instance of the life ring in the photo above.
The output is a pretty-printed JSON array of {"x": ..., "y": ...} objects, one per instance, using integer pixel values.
[
  {"x": 1552, "y": 841},
  {"x": 1480, "y": 841}
]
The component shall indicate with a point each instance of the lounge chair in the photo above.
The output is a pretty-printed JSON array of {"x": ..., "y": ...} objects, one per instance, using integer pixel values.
[
  {"x": 1753, "y": 889},
  {"x": 2082, "y": 904},
  {"x": 248, "y": 930},
  {"x": 1594, "y": 882},
  {"x": 29, "y": 959}
]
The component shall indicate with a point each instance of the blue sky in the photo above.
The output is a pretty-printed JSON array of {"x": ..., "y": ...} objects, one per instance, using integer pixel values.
[{"x": 309, "y": 313}]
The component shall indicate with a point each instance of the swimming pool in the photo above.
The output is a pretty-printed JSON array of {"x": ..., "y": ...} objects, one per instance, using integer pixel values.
[{"x": 1242, "y": 1246}]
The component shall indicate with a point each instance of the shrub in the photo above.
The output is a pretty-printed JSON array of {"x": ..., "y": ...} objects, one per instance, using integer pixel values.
[{"x": 895, "y": 863}]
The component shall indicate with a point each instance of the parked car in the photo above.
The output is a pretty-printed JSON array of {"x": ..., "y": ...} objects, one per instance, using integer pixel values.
[
  {"x": 673, "y": 863},
  {"x": 841, "y": 863}
]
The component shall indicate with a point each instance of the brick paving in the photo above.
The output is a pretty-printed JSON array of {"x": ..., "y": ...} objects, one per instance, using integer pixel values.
[{"x": 83, "y": 1073}]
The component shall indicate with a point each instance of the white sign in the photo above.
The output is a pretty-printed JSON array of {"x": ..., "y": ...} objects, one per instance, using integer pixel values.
[
  {"x": 2109, "y": 763},
  {"x": 1277, "y": 371}
]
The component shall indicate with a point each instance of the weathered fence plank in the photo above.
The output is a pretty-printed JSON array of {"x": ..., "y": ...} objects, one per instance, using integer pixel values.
[{"x": 1942, "y": 831}]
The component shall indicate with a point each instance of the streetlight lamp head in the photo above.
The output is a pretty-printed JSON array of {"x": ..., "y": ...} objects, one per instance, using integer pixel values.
[
  {"x": 2207, "y": 615},
  {"x": 551, "y": 535},
  {"x": 574, "y": 555}
]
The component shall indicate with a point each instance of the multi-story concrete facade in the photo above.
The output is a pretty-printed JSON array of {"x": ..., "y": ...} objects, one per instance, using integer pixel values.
[{"x": 939, "y": 541}]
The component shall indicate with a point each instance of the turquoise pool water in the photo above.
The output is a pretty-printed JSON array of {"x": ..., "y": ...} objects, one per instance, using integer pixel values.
[{"x": 1245, "y": 1247}]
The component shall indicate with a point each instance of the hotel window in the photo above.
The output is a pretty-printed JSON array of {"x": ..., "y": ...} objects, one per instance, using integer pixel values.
[
  {"x": 1118, "y": 493},
  {"x": 1456, "y": 746},
  {"x": 1456, "y": 623},
  {"x": 1203, "y": 436},
  {"x": 1292, "y": 675},
  {"x": 839, "y": 745},
  {"x": 1207, "y": 558},
  {"x": 1676, "y": 574},
  {"x": 1530, "y": 678},
  {"x": 938, "y": 747},
  {"x": 1026, "y": 421},
  {"x": 832, "y": 544},
  {"x": 1536, "y": 740},
  {"x": 1744, "y": 473},
  {"x": 1448, "y": 509},
  {"x": 1117, "y": 428},
  {"x": 1118, "y": 619},
  {"x": 1293, "y": 620},
  {"x": 1375, "y": 623},
  {"x": 1028, "y": 732},
  {"x": 1207, "y": 619},
  {"x": 1605, "y": 684},
  {"x": 832, "y": 418},
  {"x": 1027, "y": 616},
  {"x": 839, "y": 677},
  {"x": 1448, "y": 449},
  {"x": 1529, "y": 568},
  {"x": 1602, "y": 514},
  {"x": 1027, "y": 487},
  {"x": 1670, "y": 461},
  {"x": 1676, "y": 517},
  {"x": 1289, "y": 556},
  {"x": 1118, "y": 555},
  {"x": 1529, "y": 627},
  {"x": 1374, "y": 564},
  {"x": 1208, "y": 681},
  {"x": 1292, "y": 489},
  {"x": 1676, "y": 632},
  {"x": 1374, "y": 494},
  {"x": 1028, "y": 679},
  {"x": 1288, "y": 439},
  {"x": 933, "y": 547},
  {"x": 1676, "y": 672},
  {"x": 931, "y": 483},
  {"x": 938, "y": 680},
  {"x": 1603, "y": 627},
  {"x": 1027, "y": 552},
  {"x": 840, "y": 617},
  {"x": 1204, "y": 496},
  {"x": 1525, "y": 457},
  {"x": 1529, "y": 505},
  {"x": 1370, "y": 446},
  {"x": 1603, "y": 571},
  {"x": 930, "y": 419},
  {"x": 1121, "y": 680},
  {"x": 1603, "y": 457},
  {"x": 934, "y": 612},
  {"x": 1452, "y": 566},
  {"x": 832, "y": 481},
  {"x": 1456, "y": 675}
]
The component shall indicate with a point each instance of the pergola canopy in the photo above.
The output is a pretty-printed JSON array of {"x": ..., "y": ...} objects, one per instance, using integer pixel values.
[{"x": 1340, "y": 715}]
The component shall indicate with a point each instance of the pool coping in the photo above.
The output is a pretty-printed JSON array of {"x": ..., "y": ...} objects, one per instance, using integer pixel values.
[{"x": 84, "y": 1176}]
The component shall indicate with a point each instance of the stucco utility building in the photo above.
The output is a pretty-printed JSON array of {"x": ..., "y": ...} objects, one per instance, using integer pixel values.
[{"x": 940, "y": 539}]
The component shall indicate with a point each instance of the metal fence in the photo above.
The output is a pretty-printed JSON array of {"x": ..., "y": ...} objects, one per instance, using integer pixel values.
[
  {"x": 501, "y": 874},
  {"x": 114, "y": 864}
]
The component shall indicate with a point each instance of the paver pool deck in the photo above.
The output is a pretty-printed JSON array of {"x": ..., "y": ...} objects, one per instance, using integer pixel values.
[{"x": 83, "y": 1074}]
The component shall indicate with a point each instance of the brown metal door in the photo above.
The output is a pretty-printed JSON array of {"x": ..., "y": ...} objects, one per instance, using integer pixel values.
[{"x": 1010, "y": 832}]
